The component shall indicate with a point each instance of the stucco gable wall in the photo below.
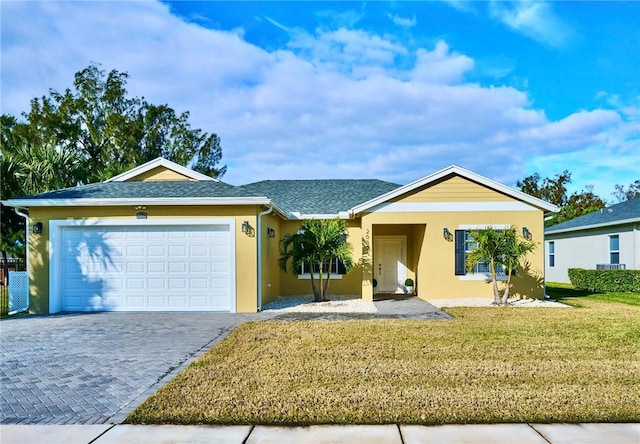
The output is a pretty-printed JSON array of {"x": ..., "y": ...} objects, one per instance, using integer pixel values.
[
  {"x": 158, "y": 174},
  {"x": 454, "y": 189}
]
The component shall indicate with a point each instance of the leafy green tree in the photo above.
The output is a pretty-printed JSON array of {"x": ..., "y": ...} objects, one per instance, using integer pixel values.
[
  {"x": 111, "y": 132},
  {"x": 316, "y": 244},
  {"x": 501, "y": 249},
  {"x": 554, "y": 190},
  {"x": 87, "y": 134},
  {"x": 579, "y": 204},
  {"x": 633, "y": 191}
]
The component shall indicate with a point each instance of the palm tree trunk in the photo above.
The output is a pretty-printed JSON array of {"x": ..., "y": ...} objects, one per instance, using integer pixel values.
[
  {"x": 505, "y": 296},
  {"x": 316, "y": 293},
  {"x": 494, "y": 282},
  {"x": 321, "y": 292},
  {"x": 326, "y": 286}
]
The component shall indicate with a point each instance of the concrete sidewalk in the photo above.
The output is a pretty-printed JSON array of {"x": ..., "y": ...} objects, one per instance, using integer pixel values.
[{"x": 370, "y": 434}]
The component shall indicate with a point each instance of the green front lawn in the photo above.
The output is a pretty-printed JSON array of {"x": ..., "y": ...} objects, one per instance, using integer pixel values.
[
  {"x": 566, "y": 293},
  {"x": 494, "y": 364}
]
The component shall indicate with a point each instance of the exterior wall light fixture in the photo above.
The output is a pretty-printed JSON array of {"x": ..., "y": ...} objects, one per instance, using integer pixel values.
[
  {"x": 37, "y": 228},
  {"x": 271, "y": 232},
  {"x": 526, "y": 233},
  {"x": 447, "y": 234},
  {"x": 245, "y": 226}
]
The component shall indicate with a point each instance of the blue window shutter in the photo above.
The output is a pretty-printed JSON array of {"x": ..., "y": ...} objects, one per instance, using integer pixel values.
[{"x": 459, "y": 253}]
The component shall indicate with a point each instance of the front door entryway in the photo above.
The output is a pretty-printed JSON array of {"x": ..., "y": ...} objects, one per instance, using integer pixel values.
[{"x": 390, "y": 258}]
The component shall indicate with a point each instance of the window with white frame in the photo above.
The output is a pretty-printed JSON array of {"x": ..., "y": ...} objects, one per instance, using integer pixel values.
[
  {"x": 481, "y": 266},
  {"x": 552, "y": 254},
  {"x": 463, "y": 245},
  {"x": 614, "y": 249}
]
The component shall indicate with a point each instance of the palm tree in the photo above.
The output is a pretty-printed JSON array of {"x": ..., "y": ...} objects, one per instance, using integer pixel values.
[
  {"x": 488, "y": 247},
  {"x": 515, "y": 250},
  {"x": 317, "y": 244},
  {"x": 29, "y": 165},
  {"x": 499, "y": 248}
]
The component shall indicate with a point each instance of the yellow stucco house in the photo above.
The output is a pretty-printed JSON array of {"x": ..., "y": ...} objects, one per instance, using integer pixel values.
[{"x": 161, "y": 237}]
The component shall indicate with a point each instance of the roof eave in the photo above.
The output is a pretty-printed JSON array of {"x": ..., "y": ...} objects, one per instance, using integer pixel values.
[
  {"x": 294, "y": 215},
  {"x": 593, "y": 226},
  {"x": 154, "y": 201}
]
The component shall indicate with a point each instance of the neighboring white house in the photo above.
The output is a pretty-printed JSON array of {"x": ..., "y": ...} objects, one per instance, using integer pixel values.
[{"x": 605, "y": 239}]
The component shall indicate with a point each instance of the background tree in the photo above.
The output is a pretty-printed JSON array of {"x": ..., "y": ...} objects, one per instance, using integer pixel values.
[
  {"x": 112, "y": 132},
  {"x": 554, "y": 190},
  {"x": 316, "y": 245},
  {"x": 633, "y": 191},
  {"x": 88, "y": 133}
]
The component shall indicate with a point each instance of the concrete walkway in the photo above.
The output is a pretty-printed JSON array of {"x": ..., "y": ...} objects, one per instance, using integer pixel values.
[
  {"x": 410, "y": 307},
  {"x": 370, "y": 434}
]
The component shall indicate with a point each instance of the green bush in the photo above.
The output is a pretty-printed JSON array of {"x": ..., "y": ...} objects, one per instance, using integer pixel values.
[{"x": 604, "y": 281}]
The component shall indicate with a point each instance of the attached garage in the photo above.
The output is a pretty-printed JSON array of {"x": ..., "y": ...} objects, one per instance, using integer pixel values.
[{"x": 153, "y": 265}]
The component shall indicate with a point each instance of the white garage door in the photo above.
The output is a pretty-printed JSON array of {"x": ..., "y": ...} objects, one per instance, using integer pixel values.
[{"x": 147, "y": 268}]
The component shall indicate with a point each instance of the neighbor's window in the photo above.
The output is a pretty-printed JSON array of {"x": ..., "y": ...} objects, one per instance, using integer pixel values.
[
  {"x": 337, "y": 267},
  {"x": 552, "y": 254},
  {"x": 614, "y": 249}
]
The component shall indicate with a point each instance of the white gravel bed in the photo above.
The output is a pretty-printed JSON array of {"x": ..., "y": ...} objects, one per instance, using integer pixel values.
[
  {"x": 305, "y": 304},
  {"x": 487, "y": 302}
]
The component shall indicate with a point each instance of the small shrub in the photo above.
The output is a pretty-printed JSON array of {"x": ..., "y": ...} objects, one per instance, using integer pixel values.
[
  {"x": 408, "y": 282},
  {"x": 603, "y": 281}
]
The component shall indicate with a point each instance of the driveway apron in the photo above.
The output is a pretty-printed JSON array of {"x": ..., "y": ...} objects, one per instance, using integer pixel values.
[{"x": 88, "y": 368}]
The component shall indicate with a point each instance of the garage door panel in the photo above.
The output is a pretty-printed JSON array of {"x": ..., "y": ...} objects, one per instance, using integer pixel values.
[
  {"x": 135, "y": 267},
  {"x": 156, "y": 284},
  {"x": 198, "y": 284},
  {"x": 135, "y": 251},
  {"x": 154, "y": 268},
  {"x": 177, "y": 267},
  {"x": 156, "y": 251}
]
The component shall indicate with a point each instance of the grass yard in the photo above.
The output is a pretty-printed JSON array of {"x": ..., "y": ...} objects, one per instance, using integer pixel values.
[
  {"x": 566, "y": 293},
  {"x": 491, "y": 364}
]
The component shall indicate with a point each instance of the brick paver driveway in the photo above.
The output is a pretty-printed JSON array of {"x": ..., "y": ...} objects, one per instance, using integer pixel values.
[{"x": 95, "y": 368}]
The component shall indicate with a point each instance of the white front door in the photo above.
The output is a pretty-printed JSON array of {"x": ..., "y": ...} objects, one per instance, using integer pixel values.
[{"x": 390, "y": 258}]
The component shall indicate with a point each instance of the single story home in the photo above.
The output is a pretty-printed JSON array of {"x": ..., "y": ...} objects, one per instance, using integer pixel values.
[
  {"x": 162, "y": 237},
  {"x": 607, "y": 239}
]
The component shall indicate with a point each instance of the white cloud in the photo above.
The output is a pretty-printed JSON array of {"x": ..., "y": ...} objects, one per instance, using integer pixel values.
[
  {"x": 440, "y": 66},
  {"x": 403, "y": 21},
  {"x": 461, "y": 5},
  {"x": 333, "y": 103},
  {"x": 534, "y": 19}
]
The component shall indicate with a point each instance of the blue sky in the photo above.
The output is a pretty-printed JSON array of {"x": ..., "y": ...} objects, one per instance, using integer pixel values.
[{"x": 389, "y": 90}]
